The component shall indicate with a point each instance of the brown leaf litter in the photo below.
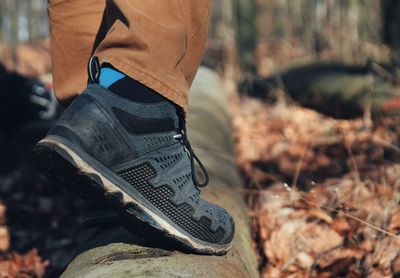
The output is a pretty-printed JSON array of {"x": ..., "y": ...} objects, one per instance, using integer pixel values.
[
  {"x": 22, "y": 266},
  {"x": 324, "y": 193},
  {"x": 11, "y": 263}
]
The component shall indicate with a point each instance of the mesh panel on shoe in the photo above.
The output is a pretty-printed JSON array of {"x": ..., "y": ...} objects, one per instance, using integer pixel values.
[
  {"x": 155, "y": 141},
  {"x": 167, "y": 161},
  {"x": 160, "y": 197},
  {"x": 182, "y": 180},
  {"x": 195, "y": 197}
]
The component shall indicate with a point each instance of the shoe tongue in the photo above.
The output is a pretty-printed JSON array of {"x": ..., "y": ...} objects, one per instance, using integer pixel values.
[{"x": 180, "y": 114}]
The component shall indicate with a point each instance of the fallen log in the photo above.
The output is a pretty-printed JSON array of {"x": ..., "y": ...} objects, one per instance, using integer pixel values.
[
  {"x": 111, "y": 251},
  {"x": 337, "y": 90}
]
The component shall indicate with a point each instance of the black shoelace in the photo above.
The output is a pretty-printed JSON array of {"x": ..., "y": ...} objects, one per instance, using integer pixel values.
[{"x": 193, "y": 158}]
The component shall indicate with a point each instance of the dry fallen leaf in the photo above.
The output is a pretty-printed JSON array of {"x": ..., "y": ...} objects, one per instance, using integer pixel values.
[
  {"x": 4, "y": 234},
  {"x": 28, "y": 265}
]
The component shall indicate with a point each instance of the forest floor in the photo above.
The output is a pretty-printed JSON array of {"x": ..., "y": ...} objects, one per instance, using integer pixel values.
[{"x": 324, "y": 193}]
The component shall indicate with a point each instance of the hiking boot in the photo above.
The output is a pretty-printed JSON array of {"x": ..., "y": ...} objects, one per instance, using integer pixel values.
[{"x": 137, "y": 158}]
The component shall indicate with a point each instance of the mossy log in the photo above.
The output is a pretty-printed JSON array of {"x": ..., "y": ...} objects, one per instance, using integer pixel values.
[
  {"x": 337, "y": 90},
  {"x": 111, "y": 251}
]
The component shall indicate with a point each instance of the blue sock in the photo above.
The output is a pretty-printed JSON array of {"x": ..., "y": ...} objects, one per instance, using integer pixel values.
[
  {"x": 124, "y": 86},
  {"x": 109, "y": 76}
]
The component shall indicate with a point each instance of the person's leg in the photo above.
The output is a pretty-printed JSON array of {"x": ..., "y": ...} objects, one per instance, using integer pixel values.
[
  {"x": 159, "y": 44},
  {"x": 133, "y": 150},
  {"x": 74, "y": 25}
]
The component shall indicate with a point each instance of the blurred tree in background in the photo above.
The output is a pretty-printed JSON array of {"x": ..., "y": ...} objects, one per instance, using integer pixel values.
[
  {"x": 299, "y": 31},
  {"x": 391, "y": 23},
  {"x": 23, "y": 20},
  {"x": 249, "y": 32}
]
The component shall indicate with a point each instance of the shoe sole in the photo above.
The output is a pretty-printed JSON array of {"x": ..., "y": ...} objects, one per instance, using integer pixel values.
[{"x": 61, "y": 161}]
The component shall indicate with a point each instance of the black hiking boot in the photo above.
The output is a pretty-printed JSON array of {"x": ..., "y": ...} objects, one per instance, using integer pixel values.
[{"x": 137, "y": 158}]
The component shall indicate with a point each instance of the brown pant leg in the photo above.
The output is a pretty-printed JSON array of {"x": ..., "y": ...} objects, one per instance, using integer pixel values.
[
  {"x": 74, "y": 25},
  {"x": 157, "y": 42}
]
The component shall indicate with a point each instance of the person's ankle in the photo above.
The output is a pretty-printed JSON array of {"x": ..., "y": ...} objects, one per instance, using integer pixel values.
[{"x": 124, "y": 86}]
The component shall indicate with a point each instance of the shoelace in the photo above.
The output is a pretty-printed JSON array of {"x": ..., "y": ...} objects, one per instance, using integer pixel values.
[{"x": 193, "y": 158}]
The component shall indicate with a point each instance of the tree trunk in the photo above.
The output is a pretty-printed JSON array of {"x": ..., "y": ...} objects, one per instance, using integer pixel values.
[
  {"x": 391, "y": 24},
  {"x": 246, "y": 33}
]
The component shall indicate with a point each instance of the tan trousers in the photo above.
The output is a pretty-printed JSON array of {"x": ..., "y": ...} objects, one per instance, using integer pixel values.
[{"x": 159, "y": 43}]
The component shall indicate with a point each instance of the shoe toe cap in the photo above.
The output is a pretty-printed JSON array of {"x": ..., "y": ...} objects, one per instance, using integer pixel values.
[{"x": 220, "y": 219}]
